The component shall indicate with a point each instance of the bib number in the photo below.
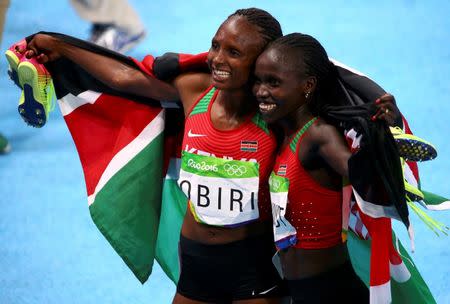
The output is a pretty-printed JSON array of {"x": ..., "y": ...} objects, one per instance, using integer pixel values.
[
  {"x": 285, "y": 235},
  {"x": 221, "y": 192}
]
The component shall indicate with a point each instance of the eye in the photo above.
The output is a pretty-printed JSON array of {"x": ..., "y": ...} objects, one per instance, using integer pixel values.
[
  {"x": 273, "y": 82},
  {"x": 214, "y": 45},
  {"x": 235, "y": 53}
]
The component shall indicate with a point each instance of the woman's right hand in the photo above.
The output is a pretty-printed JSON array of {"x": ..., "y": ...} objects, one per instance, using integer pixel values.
[
  {"x": 44, "y": 47},
  {"x": 114, "y": 73}
]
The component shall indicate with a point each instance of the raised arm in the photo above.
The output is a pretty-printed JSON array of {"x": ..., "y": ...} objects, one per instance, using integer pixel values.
[
  {"x": 111, "y": 72},
  {"x": 362, "y": 89}
]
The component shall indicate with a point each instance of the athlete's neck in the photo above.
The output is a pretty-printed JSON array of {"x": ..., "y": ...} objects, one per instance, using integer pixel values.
[
  {"x": 295, "y": 120},
  {"x": 236, "y": 104}
]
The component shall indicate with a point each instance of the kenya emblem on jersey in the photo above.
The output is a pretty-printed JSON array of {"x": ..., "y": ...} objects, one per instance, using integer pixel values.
[
  {"x": 282, "y": 170},
  {"x": 249, "y": 145}
]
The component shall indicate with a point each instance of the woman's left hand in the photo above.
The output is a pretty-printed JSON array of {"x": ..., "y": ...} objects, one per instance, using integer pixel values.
[{"x": 388, "y": 111}]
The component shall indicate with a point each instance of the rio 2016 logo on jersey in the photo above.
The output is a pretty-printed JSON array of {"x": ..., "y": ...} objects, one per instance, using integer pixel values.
[
  {"x": 202, "y": 166},
  {"x": 222, "y": 191}
]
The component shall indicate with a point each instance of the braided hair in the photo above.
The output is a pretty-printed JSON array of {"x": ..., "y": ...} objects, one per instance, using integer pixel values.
[
  {"x": 307, "y": 56},
  {"x": 268, "y": 26}
]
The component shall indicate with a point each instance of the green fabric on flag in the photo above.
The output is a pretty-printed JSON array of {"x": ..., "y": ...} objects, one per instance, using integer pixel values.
[
  {"x": 433, "y": 199},
  {"x": 173, "y": 209},
  {"x": 127, "y": 213},
  {"x": 413, "y": 291}
]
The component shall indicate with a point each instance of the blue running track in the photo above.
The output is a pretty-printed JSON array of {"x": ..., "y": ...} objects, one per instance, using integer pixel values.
[{"x": 52, "y": 253}]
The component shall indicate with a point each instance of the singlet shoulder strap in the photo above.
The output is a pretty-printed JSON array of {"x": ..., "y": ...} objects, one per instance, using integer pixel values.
[
  {"x": 260, "y": 122},
  {"x": 293, "y": 144},
  {"x": 201, "y": 106}
]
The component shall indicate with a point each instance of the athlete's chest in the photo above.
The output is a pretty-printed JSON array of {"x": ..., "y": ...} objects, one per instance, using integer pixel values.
[
  {"x": 246, "y": 143},
  {"x": 286, "y": 163}
]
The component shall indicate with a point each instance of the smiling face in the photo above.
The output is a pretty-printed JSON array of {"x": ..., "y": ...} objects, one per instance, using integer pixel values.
[
  {"x": 280, "y": 86},
  {"x": 233, "y": 53}
]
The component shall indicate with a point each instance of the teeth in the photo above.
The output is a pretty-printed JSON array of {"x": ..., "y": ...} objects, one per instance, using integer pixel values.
[
  {"x": 221, "y": 73},
  {"x": 266, "y": 106}
]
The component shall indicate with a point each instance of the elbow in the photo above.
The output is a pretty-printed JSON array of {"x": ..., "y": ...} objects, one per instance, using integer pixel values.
[{"x": 121, "y": 80}]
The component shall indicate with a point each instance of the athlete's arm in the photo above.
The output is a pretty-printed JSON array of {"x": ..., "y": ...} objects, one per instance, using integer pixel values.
[
  {"x": 332, "y": 147},
  {"x": 369, "y": 91},
  {"x": 190, "y": 86},
  {"x": 112, "y": 73}
]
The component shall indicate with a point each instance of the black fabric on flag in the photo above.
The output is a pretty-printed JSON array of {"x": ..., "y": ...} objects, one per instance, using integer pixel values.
[{"x": 374, "y": 170}]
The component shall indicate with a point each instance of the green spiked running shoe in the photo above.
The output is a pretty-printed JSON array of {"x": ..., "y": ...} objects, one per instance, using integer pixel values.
[
  {"x": 37, "y": 100},
  {"x": 413, "y": 148},
  {"x": 13, "y": 55}
]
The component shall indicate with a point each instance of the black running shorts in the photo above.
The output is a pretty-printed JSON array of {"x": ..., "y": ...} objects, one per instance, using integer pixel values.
[
  {"x": 226, "y": 272},
  {"x": 339, "y": 285}
]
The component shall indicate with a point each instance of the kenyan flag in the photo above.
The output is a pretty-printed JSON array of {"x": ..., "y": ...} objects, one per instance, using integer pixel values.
[
  {"x": 119, "y": 143},
  {"x": 400, "y": 283}
]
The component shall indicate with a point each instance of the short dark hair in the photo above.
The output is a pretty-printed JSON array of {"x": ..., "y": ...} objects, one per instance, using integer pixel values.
[{"x": 268, "y": 25}]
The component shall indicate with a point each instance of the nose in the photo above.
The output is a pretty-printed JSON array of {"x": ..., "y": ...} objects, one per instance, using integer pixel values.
[
  {"x": 260, "y": 91},
  {"x": 218, "y": 57}
]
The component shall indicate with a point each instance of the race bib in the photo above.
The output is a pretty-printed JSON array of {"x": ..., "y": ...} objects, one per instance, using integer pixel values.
[
  {"x": 285, "y": 234},
  {"x": 221, "y": 192}
]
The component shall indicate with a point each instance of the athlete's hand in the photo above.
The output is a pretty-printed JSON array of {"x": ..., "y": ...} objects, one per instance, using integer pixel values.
[
  {"x": 388, "y": 110},
  {"x": 44, "y": 47}
]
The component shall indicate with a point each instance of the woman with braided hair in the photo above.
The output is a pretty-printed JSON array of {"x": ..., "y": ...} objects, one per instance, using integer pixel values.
[
  {"x": 295, "y": 83},
  {"x": 228, "y": 152}
]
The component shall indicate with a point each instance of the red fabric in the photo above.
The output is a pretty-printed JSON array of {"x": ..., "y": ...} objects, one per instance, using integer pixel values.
[
  {"x": 412, "y": 165},
  {"x": 314, "y": 211},
  {"x": 380, "y": 231},
  {"x": 227, "y": 144},
  {"x": 191, "y": 62},
  {"x": 146, "y": 65},
  {"x": 112, "y": 123}
]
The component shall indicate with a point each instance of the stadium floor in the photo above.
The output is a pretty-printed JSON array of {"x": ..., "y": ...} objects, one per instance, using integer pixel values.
[{"x": 51, "y": 251}]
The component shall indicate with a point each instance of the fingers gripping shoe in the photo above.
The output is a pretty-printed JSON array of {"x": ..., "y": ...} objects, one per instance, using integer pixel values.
[
  {"x": 13, "y": 55},
  {"x": 411, "y": 147},
  {"x": 37, "y": 99}
]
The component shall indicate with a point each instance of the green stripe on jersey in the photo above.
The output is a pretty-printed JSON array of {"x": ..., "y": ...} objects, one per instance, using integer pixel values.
[
  {"x": 259, "y": 121},
  {"x": 218, "y": 167},
  {"x": 294, "y": 142},
  {"x": 202, "y": 105}
]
